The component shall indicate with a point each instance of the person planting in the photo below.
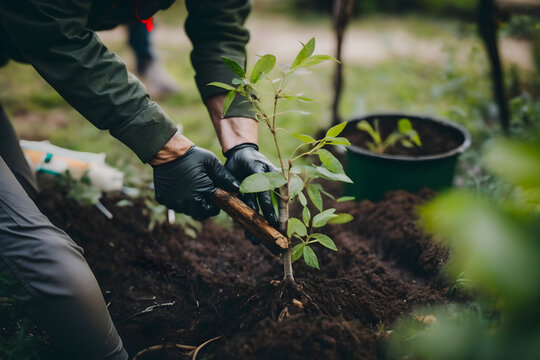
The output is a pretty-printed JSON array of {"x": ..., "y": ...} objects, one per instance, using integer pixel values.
[{"x": 57, "y": 38}]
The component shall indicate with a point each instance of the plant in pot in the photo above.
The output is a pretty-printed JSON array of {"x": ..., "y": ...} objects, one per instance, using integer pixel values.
[
  {"x": 401, "y": 152},
  {"x": 294, "y": 182}
]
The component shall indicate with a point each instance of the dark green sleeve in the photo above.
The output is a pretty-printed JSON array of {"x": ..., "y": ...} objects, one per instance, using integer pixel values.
[
  {"x": 53, "y": 37},
  {"x": 216, "y": 29}
]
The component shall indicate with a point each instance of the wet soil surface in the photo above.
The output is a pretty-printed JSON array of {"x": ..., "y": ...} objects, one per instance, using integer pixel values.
[
  {"x": 219, "y": 284},
  {"x": 436, "y": 139}
]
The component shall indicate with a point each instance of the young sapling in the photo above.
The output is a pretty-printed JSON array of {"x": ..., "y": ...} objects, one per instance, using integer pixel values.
[
  {"x": 294, "y": 181},
  {"x": 404, "y": 134}
]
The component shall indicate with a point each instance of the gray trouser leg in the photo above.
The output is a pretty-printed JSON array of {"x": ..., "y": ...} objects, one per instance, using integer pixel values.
[
  {"x": 57, "y": 285},
  {"x": 11, "y": 151}
]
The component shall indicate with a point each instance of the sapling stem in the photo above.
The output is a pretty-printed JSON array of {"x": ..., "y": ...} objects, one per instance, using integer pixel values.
[
  {"x": 283, "y": 219},
  {"x": 284, "y": 200}
]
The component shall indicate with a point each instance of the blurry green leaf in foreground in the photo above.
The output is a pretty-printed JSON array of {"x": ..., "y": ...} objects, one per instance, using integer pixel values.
[
  {"x": 451, "y": 333},
  {"x": 517, "y": 163},
  {"x": 494, "y": 250}
]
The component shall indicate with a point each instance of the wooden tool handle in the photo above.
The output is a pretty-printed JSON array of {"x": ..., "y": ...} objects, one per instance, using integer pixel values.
[{"x": 251, "y": 221}]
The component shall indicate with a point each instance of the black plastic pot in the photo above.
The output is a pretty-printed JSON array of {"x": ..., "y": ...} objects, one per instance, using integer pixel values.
[{"x": 376, "y": 174}]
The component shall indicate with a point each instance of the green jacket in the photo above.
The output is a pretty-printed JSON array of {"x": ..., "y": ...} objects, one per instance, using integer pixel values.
[{"x": 57, "y": 37}]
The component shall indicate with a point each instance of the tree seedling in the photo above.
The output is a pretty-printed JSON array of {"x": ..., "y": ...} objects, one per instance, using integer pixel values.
[
  {"x": 404, "y": 135},
  {"x": 294, "y": 181}
]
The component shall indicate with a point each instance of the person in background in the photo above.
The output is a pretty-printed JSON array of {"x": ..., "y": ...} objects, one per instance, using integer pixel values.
[
  {"x": 159, "y": 83},
  {"x": 58, "y": 39}
]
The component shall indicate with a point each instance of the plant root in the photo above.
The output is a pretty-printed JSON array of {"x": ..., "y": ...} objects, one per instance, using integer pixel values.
[
  {"x": 162, "y": 347},
  {"x": 196, "y": 351},
  {"x": 290, "y": 294}
]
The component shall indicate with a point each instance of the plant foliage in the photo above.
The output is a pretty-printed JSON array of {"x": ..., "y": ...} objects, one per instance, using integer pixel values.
[
  {"x": 294, "y": 181},
  {"x": 404, "y": 135}
]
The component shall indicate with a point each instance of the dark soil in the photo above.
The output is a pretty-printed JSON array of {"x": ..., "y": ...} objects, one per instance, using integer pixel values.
[
  {"x": 436, "y": 139},
  {"x": 222, "y": 285}
]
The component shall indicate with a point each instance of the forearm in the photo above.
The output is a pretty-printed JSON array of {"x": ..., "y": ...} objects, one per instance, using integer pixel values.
[
  {"x": 231, "y": 131},
  {"x": 92, "y": 79}
]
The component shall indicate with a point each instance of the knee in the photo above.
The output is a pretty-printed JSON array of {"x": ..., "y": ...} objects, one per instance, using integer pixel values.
[{"x": 65, "y": 272}]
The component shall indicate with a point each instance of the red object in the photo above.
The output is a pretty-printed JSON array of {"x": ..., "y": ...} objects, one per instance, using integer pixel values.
[{"x": 149, "y": 23}]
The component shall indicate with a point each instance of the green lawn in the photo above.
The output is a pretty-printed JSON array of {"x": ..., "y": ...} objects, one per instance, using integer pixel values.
[{"x": 458, "y": 90}]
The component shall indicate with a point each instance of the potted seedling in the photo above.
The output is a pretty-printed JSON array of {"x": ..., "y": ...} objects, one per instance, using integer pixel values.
[
  {"x": 401, "y": 152},
  {"x": 295, "y": 181}
]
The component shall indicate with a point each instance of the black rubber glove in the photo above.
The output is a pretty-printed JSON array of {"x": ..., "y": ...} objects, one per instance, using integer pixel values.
[
  {"x": 187, "y": 184},
  {"x": 244, "y": 160}
]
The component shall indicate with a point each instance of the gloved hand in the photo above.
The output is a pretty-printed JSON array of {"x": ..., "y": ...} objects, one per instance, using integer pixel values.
[
  {"x": 244, "y": 160},
  {"x": 187, "y": 184}
]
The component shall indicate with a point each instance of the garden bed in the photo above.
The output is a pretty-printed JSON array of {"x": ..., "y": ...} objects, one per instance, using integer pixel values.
[{"x": 221, "y": 285}]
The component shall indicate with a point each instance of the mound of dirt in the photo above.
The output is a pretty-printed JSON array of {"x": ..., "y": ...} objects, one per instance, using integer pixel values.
[{"x": 219, "y": 284}]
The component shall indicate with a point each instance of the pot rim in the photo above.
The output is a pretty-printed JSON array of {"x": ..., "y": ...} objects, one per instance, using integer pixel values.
[{"x": 456, "y": 151}]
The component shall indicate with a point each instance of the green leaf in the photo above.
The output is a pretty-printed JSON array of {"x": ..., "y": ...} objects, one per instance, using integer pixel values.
[
  {"x": 330, "y": 161},
  {"x": 341, "y": 219},
  {"x": 314, "y": 60},
  {"x": 392, "y": 139},
  {"x": 302, "y": 199},
  {"x": 415, "y": 138},
  {"x": 295, "y": 97},
  {"x": 315, "y": 196},
  {"x": 336, "y": 130},
  {"x": 324, "y": 241},
  {"x": 190, "y": 232},
  {"x": 310, "y": 258},
  {"x": 222, "y": 85},
  {"x": 330, "y": 140},
  {"x": 517, "y": 162},
  {"x": 295, "y": 226},
  {"x": 124, "y": 202},
  {"x": 365, "y": 126},
  {"x": 404, "y": 126},
  {"x": 322, "y": 218},
  {"x": 345, "y": 198},
  {"x": 295, "y": 186},
  {"x": 325, "y": 173},
  {"x": 407, "y": 143},
  {"x": 297, "y": 251},
  {"x": 262, "y": 182},
  {"x": 303, "y": 138},
  {"x": 306, "y": 52},
  {"x": 262, "y": 68},
  {"x": 321, "y": 189},
  {"x": 228, "y": 101},
  {"x": 234, "y": 66},
  {"x": 306, "y": 216},
  {"x": 308, "y": 170}
]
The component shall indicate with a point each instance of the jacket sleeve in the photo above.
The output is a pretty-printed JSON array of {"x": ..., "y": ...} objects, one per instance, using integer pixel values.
[
  {"x": 216, "y": 29},
  {"x": 53, "y": 36}
]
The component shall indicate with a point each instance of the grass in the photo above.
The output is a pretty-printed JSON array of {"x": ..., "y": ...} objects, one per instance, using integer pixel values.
[{"x": 456, "y": 90}]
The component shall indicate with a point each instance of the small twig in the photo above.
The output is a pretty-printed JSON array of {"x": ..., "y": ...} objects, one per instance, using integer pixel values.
[
  {"x": 196, "y": 351},
  {"x": 161, "y": 347},
  {"x": 147, "y": 310},
  {"x": 143, "y": 298}
]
